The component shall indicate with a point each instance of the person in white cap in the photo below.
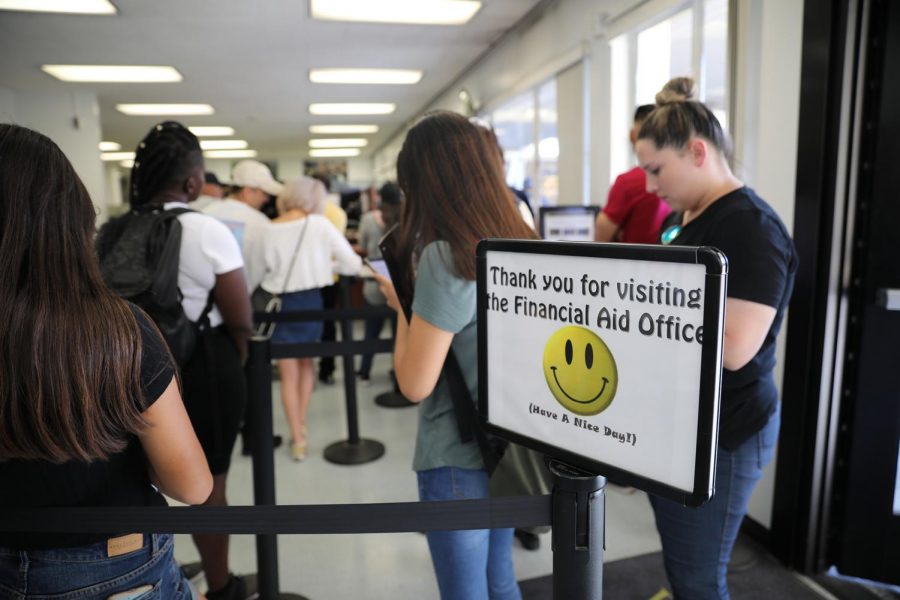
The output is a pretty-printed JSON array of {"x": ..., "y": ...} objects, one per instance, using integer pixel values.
[{"x": 253, "y": 182}]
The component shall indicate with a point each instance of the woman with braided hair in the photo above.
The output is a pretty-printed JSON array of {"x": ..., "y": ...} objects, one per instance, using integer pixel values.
[
  {"x": 168, "y": 173},
  {"x": 683, "y": 150},
  {"x": 90, "y": 409}
]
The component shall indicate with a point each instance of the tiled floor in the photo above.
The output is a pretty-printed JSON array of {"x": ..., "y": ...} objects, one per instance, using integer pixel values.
[{"x": 375, "y": 566}]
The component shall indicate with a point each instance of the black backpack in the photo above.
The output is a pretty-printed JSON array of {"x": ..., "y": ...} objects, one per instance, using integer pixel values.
[{"x": 139, "y": 261}]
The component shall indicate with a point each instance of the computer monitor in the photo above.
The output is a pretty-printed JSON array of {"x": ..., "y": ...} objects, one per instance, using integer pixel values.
[{"x": 568, "y": 223}]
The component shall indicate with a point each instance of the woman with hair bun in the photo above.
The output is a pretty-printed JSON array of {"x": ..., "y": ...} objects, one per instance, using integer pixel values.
[{"x": 685, "y": 153}]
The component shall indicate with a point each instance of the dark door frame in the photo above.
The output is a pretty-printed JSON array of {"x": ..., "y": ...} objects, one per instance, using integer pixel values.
[{"x": 814, "y": 348}]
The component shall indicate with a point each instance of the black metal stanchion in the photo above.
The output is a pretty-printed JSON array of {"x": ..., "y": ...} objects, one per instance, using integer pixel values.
[
  {"x": 393, "y": 398},
  {"x": 260, "y": 374},
  {"x": 354, "y": 450},
  {"x": 579, "y": 506}
]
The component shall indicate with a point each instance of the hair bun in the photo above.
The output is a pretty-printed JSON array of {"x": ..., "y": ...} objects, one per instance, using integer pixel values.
[{"x": 678, "y": 89}]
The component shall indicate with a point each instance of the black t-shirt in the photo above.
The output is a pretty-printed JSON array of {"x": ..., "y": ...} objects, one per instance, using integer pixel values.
[
  {"x": 120, "y": 481},
  {"x": 762, "y": 262}
]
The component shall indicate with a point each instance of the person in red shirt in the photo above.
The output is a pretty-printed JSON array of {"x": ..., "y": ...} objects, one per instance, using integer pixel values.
[{"x": 631, "y": 214}]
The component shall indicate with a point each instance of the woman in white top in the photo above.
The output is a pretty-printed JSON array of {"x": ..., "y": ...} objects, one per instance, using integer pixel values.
[{"x": 301, "y": 251}]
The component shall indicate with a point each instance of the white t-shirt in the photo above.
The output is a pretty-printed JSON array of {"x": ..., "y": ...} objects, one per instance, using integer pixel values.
[
  {"x": 323, "y": 252},
  {"x": 207, "y": 249},
  {"x": 202, "y": 202},
  {"x": 246, "y": 223}
]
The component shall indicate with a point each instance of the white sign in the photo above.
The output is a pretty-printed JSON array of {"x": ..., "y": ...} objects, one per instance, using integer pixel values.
[{"x": 600, "y": 357}]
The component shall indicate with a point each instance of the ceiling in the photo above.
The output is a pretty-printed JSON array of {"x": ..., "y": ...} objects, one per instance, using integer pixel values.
[{"x": 249, "y": 59}]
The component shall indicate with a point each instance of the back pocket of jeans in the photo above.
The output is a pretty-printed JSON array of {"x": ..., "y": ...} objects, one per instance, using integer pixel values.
[{"x": 143, "y": 592}]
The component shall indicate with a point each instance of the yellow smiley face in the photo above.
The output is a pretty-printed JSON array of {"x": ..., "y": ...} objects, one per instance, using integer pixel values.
[{"x": 580, "y": 370}]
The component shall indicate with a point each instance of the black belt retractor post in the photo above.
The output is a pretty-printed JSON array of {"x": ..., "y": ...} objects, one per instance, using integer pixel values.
[
  {"x": 579, "y": 534},
  {"x": 355, "y": 450},
  {"x": 260, "y": 386}
]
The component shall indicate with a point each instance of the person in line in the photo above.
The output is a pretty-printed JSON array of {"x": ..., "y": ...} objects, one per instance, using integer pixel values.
[
  {"x": 168, "y": 173},
  {"x": 90, "y": 408},
  {"x": 212, "y": 192},
  {"x": 632, "y": 214},
  {"x": 684, "y": 152},
  {"x": 297, "y": 252},
  {"x": 338, "y": 217},
  {"x": 453, "y": 182},
  {"x": 240, "y": 211},
  {"x": 372, "y": 227}
]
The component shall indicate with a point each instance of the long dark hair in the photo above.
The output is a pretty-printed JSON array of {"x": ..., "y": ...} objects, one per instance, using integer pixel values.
[
  {"x": 70, "y": 350},
  {"x": 455, "y": 191}
]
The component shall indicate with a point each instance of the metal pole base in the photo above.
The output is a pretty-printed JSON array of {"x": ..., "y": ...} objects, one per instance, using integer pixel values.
[
  {"x": 393, "y": 400},
  {"x": 345, "y": 453}
]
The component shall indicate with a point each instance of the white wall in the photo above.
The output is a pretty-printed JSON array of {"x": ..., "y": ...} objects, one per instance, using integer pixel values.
[
  {"x": 570, "y": 131},
  {"x": 360, "y": 173},
  {"x": 70, "y": 119},
  {"x": 7, "y": 106},
  {"x": 564, "y": 34},
  {"x": 767, "y": 109}
]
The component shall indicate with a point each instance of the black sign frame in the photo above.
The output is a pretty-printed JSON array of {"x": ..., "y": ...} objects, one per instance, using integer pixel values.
[{"x": 710, "y": 362}]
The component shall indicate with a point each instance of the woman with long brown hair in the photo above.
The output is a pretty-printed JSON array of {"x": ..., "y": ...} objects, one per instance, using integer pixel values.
[
  {"x": 90, "y": 409},
  {"x": 453, "y": 181}
]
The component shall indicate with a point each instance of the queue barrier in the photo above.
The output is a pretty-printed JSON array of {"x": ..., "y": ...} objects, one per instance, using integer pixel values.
[
  {"x": 575, "y": 510},
  {"x": 578, "y": 501}
]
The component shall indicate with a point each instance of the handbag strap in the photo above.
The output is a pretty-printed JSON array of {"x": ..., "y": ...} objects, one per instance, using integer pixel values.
[{"x": 294, "y": 258}]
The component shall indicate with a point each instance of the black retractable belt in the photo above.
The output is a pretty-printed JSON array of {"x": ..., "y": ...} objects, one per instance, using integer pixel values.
[{"x": 396, "y": 517}]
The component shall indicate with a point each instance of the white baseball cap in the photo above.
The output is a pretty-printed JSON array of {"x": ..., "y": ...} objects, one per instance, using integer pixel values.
[{"x": 254, "y": 174}]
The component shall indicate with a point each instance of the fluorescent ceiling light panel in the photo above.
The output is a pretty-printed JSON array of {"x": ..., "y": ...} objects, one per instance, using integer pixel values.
[
  {"x": 109, "y": 156},
  {"x": 333, "y": 152},
  {"x": 342, "y": 129},
  {"x": 366, "y": 76},
  {"x": 420, "y": 12},
  {"x": 338, "y": 143},
  {"x": 109, "y": 146},
  {"x": 352, "y": 108},
  {"x": 230, "y": 154},
  {"x": 114, "y": 73},
  {"x": 126, "y": 164},
  {"x": 88, "y": 7},
  {"x": 212, "y": 131},
  {"x": 165, "y": 109},
  {"x": 223, "y": 144}
]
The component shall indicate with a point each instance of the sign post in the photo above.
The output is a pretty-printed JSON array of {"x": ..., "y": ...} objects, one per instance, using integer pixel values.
[{"x": 607, "y": 358}]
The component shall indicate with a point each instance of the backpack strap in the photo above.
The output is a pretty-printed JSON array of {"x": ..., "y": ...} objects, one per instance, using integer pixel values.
[{"x": 466, "y": 417}]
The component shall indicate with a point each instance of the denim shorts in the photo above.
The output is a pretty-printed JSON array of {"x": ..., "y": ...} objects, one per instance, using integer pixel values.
[{"x": 88, "y": 573}]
